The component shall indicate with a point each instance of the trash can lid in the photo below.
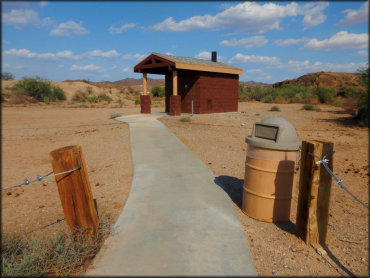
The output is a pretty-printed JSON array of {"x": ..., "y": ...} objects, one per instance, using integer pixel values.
[{"x": 274, "y": 133}]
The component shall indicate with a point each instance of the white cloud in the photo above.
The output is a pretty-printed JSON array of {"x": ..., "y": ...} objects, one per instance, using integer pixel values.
[
  {"x": 19, "y": 67},
  {"x": 20, "y": 18},
  {"x": 313, "y": 13},
  {"x": 69, "y": 28},
  {"x": 252, "y": 59},
  {"x": 25, "y": 53},
  {"x": 118, "y": 30},
  {"x": 43, "y": 4},
  {"x": 307, "y": 66},
  {"x": 169, "y": 53},
  {"x": 268, "y": 77},
  {"x": 288, "y": 42},
  {"x": 253, "y": 71},
  {"x": 65, "y": 54},
  {"x": 90, "y": 67},
  {"x": 363, "y": 53},
  {"x": 137, "y": 57},
  {"x": 127, "y": 69},
  {"x": 206, "y": 55},
  {"x": 107, "y": 54},
  {"x": 339, "y": 41},
  {"x": 256, "y": 41},
  {"x": 356, "y": 16},
  {"x": 248, "y": 17}
]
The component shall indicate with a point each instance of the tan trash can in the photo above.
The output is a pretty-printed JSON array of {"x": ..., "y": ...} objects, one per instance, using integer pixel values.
[{"x": 272, "y": 157}]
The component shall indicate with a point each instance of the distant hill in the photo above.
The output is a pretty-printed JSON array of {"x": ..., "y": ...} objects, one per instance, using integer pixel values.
[
  {"x": 336, "y": 80},
  {"x": 123, "y": 82},
  {"x": 254, "y": 84}
]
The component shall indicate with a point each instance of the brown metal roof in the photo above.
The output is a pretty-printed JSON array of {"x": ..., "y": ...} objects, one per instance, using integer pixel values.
[{"x": 180, "y": 62}]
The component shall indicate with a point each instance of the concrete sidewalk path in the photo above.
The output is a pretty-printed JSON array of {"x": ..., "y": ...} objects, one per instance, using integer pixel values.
[{"x": 177, "y": 220}]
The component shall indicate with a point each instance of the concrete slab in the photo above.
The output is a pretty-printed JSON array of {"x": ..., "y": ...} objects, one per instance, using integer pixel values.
[{"x": 177, "y": 220}]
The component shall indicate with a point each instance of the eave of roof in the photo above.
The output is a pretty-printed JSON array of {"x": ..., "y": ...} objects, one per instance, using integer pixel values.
[{"x": 198, "y": 64}]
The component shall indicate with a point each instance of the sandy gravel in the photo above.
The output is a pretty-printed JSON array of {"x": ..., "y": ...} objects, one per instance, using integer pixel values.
[
  {"x": 219, "y": 141},
  {"x": 30, "y": 133}
]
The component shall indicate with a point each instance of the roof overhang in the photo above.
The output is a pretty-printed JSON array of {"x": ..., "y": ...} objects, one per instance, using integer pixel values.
[{"x": 155, "y": 63}]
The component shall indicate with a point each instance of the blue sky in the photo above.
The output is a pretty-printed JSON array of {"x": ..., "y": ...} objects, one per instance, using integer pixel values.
[{"x": 270, "y": 41}]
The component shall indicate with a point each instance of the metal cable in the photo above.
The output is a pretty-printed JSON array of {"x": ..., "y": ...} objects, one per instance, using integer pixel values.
[
  {"x": 324, "y": 162},
  {"x": 39, "y": 178}
]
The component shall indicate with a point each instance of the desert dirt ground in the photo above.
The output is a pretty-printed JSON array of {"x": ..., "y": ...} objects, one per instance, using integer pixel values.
[
  {"x": 30, "y": 133},
  {"x": 219, "y": 141}
]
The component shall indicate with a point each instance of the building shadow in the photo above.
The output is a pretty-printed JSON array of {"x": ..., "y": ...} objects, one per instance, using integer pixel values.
[{"x": 233, "y": 187}]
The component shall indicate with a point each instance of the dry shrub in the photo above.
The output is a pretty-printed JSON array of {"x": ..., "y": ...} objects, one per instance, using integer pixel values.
[
  {"x": 280, "y": 100},
  {"x": 311, "y": 100},
  {"x": 350, "y": 104},
  {"x": 78, "y": 96},
  {"x": 21, "y": 99}
]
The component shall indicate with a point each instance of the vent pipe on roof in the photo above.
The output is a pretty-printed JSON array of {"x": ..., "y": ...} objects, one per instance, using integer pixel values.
[{"x": 214, "y": 56}]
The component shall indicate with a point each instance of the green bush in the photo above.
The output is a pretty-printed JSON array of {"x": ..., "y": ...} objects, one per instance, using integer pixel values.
[
  {"x": 310, "y": 107},
  {"x": 185, "y": 119},
  {"x": 137, "y": 101},
  {"x": 348, "y": 92},
  {"x": 158, "y": 91},
  {"x": 93, "y": 99},
  {"x": 39, "y": 88},
  {"x": 288, "y": 93},
  {"x": 104, "y": 97},
  {"x": 114, "y": 115},
  {"x": 275, "y": 108},
  {"x": 325, "y": 95},
  {"x": 363, "y": 108},
  {"x": 7, "y": 76}
]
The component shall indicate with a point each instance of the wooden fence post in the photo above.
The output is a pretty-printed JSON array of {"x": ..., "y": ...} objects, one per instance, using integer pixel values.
[
  {"x": 314, "y": 193},
  {"x": 74, "y": 189}
]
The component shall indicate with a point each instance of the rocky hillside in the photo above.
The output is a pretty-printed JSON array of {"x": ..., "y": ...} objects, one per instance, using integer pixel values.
[
  {"x": 254, "y": 84},
  {"x": 336, "y": 80}
]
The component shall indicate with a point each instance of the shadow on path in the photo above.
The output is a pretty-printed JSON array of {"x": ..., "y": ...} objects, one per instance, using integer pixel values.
[{"x": 233, "y": 187}]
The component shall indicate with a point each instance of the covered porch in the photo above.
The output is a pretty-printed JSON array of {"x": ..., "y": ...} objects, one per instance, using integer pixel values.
[{"x": 154, "y": 64}]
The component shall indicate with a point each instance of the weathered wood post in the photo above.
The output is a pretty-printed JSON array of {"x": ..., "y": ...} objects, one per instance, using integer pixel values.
[
  {"x": 74, "y": 189},
  {"x": 314, "y": 193}
]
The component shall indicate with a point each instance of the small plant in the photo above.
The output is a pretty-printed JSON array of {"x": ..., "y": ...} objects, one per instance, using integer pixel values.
[
  {"x": 120, "y": 103},
  {"x": 60, "y": 255},
  {"x": 89, "y": 90},
  {"x": 137, "y": 101},
  {"x": 93, "y": 99},
  {"x": 114, "y": 115},
  {"x": 275, "y": 108},
  {"x": 104, "y": 97},
  {"x": 158, "y": 91},
  {"x": 185, "y": 119},
  {"x": 46, "y": 100},
  {"x": 310, "y": 107}
]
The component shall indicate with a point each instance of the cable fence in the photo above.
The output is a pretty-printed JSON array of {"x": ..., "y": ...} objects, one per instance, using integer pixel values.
[
  {"x": 39, "y": 178},
  {"x": 324, "y": 161}
]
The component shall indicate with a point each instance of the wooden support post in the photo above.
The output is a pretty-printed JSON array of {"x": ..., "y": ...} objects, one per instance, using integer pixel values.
[
  {"x": 314, "y": 193},
  {"x": 145, "y": 82},
  {"x": 74, "y": 189},
  {"x": 174, "y": 80}
]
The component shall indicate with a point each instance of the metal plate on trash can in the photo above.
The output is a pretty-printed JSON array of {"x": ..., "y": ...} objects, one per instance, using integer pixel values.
[{"x": 266, "y": 131}]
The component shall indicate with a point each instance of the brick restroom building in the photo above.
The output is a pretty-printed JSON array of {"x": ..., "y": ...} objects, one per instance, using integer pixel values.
[{"x": 204, "y": 86}]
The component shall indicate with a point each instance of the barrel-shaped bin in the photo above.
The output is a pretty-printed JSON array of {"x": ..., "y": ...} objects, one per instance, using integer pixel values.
[{"x": 270, "y": 170}]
